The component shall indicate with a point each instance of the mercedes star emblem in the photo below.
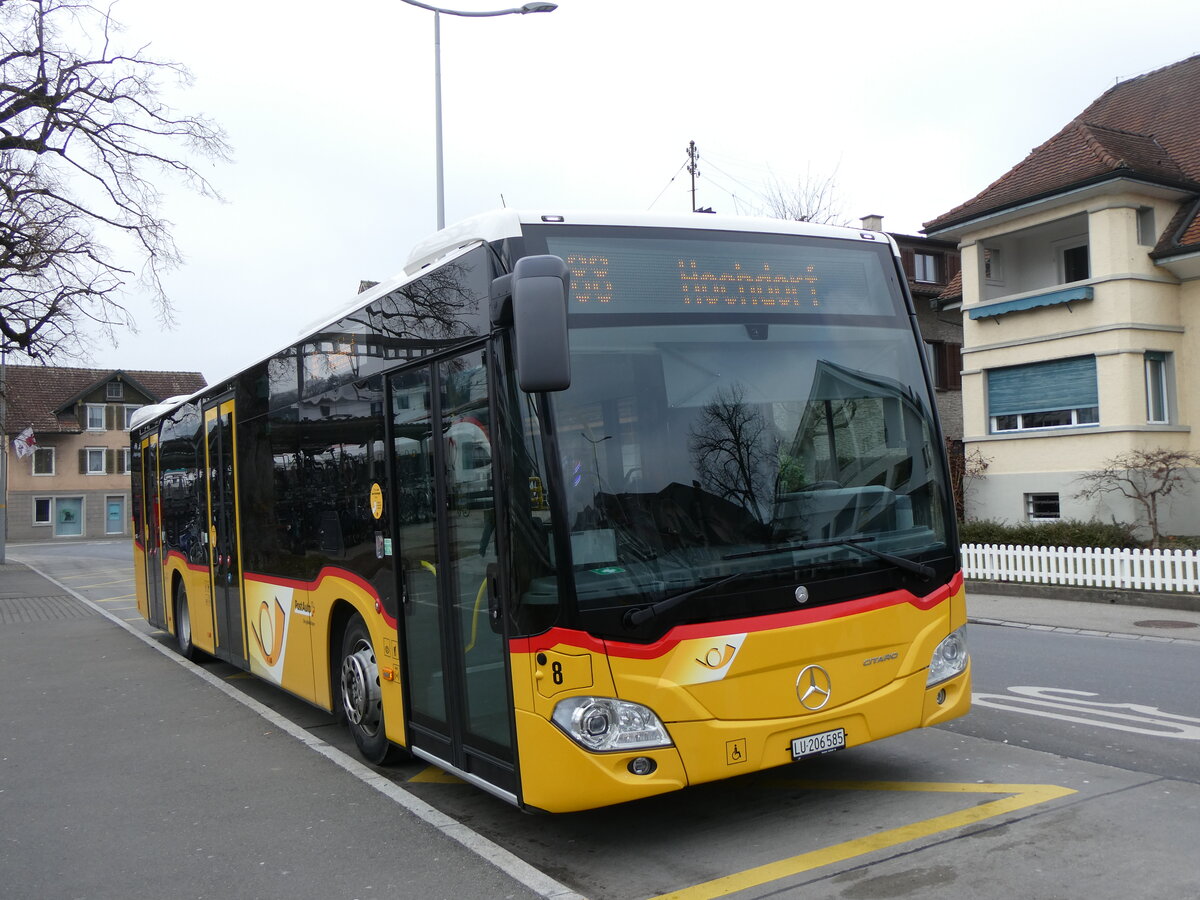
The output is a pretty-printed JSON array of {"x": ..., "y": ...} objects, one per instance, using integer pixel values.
[{"x": 813, "y": 687}]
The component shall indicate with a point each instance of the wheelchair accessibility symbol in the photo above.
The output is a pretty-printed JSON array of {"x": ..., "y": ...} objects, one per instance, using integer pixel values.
[{"x": 735, "y": 752}]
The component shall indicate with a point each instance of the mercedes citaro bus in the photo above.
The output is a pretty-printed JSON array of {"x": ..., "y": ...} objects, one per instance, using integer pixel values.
[{"x": 580, "y": 508}]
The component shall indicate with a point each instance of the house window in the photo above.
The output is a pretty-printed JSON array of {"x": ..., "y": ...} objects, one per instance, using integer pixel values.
[
  {"x": 43, "y": 510},
  {"x": 925, "y": 267},
  {"x": 123, "y": 457},
  {"x": 1157, "y": 365},
  {"x": 993, "y": 265},
  {"x": 1042, "y": 507},
  {"x": 95, "y": 417},
  {"x": 93, "y": 461},
  {"x": 43, "y": 461},
  {"x": 1075, "y": 264},
  {"x": 115, "y": 390},
  {"x": 1147, "y": 234},
  {"x": 129, "y": 411},
  {"x": 68, "y": 516},
  {"x": 945, "y": 364},
  {"x": 1060, "y": 393}
]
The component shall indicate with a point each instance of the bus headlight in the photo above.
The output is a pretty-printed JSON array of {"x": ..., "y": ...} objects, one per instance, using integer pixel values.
[
  {"x": 603, "y": 723},
  {"x": 949, "y": 659}
]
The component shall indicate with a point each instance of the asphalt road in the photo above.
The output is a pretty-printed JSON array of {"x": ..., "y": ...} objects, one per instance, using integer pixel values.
[
  {"x": 1036, "y": 794},
  {"x": 1127, "y": 703}
]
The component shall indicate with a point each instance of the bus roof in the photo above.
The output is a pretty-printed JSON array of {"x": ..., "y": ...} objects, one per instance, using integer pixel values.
[
  {"x": 144, "y": 414},
  {"x": 499, "y": 224},
  {"x": 507, "y": 223}
]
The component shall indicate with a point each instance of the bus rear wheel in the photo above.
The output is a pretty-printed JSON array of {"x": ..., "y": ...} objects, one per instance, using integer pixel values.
[
  {"x": 183, "y": 626},
  {"x": 360, "y": 697}
]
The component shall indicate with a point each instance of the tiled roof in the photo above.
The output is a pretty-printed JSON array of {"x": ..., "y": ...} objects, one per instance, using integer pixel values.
[
  {"x": 37, "y": 395},
  {"x": 1147, "y": 127},
  {"x": 953, "y": 291},
  {"x": 1191, "y": 235}
]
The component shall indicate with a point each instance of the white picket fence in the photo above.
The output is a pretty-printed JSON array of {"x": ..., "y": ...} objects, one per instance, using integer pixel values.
[{"x": 1141, "y": 570}]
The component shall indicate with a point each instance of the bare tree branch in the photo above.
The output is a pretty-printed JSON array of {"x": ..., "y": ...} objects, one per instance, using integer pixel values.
[
  {"x": 731, "y": 445},
  {"x": 1147, "y": 477},
  {"x": 810, "y": 199},
  {"x": 85, "y": 140}
]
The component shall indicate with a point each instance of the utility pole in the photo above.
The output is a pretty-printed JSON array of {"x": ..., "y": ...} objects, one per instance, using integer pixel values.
[{"x": 693, "y": 170}]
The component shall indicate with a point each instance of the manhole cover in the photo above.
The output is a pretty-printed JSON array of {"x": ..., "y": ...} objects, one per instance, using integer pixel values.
[{"x": 1164, "y": 623}]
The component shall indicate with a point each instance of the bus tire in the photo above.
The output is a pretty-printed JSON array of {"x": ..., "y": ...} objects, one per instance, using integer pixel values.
[
  {"x": 183, "y": 626},
  {"x": 359, "y": 694}
]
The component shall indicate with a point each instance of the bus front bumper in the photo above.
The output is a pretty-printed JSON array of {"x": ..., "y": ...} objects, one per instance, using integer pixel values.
[{"x": 557, "y": 775}]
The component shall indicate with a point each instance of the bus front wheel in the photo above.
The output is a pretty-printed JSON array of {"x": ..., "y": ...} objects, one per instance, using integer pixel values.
[{"x": 360, "y": 696}]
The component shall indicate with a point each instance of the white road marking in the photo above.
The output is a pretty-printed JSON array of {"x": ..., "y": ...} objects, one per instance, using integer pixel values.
[{"x": 1070, "y": 706}]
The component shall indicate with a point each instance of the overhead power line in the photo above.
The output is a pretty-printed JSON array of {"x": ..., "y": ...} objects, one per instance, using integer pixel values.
[{"x": 667, "y": 185}]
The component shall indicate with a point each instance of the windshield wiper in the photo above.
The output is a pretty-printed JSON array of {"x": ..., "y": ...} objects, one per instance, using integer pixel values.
[
  {"x": 635, "y": 617},
  {"x": 925, "y": 572}
]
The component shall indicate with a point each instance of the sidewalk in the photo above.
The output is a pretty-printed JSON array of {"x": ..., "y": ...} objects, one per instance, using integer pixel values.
[
  {"x": 123, "y": 774},
  {"x": 1070, "y": 613}
]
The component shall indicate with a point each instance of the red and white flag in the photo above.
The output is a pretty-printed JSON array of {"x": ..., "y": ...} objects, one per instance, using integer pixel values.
[{"x": 24, "y": 443}]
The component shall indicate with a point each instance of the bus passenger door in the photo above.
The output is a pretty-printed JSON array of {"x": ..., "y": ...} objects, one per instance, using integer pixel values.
[
  {"x": 225, "y": 557},
  {"x": 456, "y": 663},
  {"x": 155, "y": 612}
]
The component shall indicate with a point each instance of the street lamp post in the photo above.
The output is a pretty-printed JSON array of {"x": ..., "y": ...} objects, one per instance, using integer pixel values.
[{"x": 437, "y": 76}]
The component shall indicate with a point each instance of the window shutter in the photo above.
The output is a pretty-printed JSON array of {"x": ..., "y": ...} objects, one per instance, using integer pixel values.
[
  {"x": 110, "y": 462},
  {"x": 953, "y": 266},
  {"x": 1042, "y": 387},
  {"x": 110, "y": 417},
  {"x": 906, "y": 260},
  {"x": 82, "y": 462},
  {"x": 951, "y": 366}
]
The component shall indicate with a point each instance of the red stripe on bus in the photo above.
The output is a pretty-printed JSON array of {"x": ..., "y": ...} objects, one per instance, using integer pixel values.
[
  {"x": 187, "y": 565},
  {"x": 664, "y": 645}
]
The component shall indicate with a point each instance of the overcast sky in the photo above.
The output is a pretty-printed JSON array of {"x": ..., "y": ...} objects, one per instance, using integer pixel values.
[{"x": 911, "y": 107}]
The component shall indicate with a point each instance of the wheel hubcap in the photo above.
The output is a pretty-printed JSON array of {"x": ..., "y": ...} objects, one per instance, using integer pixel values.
[{"x": 360, "y": 688}]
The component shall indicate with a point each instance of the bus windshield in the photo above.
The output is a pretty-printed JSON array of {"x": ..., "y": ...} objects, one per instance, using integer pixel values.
[{"x": 745, "y": 418}]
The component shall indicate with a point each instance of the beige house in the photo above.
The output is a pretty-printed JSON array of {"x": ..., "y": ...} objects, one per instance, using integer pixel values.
[
  {"x": 75, "y": 483},
  {"x": 1081, "y": 303}
]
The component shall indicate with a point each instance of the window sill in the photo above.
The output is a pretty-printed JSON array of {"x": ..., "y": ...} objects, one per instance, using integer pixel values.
[{"x": 1072, "y": 430}]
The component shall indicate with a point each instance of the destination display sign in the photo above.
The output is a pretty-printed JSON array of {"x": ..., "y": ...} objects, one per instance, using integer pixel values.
[{"x": 630, "y": 275}]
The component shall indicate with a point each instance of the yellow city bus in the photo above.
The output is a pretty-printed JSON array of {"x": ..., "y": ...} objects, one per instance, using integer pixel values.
[{"x": 581, "y": 508}]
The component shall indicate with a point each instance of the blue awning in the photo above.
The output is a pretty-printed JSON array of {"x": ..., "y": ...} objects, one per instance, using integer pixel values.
[{"x": 1051, "y": 298}]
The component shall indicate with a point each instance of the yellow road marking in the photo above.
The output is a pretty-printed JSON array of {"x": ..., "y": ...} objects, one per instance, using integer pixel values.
[
  {"x": 434, "y": 775},
  {"x": 1021, "y": 796},
  {"x": 124, "y": 599},
  {"x": 98, "y": 584},
  {"x": 238, "y": 675}
]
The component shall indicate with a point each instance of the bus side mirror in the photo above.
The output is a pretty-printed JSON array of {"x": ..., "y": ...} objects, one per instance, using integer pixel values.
[{"x": 539, "y": 311}]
